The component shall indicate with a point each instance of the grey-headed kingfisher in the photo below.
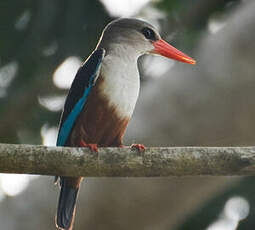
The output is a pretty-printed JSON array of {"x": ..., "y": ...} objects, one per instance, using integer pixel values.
[{"x": 103, "y": 95}]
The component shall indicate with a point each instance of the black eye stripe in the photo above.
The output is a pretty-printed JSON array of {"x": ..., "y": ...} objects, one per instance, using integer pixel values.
[{"x": 149, "y": 33}]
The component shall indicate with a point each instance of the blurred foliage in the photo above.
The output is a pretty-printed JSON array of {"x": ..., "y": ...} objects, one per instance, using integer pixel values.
[
  {"x": 194, "y": 14},
  {"x": 210, "y": 212}
]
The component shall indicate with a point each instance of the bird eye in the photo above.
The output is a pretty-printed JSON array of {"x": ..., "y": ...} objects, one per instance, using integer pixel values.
[{"x": 149, "y": 33}]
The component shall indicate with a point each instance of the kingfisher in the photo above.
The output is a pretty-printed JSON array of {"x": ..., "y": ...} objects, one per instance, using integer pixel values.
[{"x": 103, "y": 95}]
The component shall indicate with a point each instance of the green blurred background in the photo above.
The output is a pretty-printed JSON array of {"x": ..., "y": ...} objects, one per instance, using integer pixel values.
[{"x": 42, "y": 44}]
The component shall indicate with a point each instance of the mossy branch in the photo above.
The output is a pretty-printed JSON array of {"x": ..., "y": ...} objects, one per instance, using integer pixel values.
[{"x": 122, "y": 162}]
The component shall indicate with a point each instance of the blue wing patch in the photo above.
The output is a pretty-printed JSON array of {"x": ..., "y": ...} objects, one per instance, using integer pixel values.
[{"x": 78, "y": 93}]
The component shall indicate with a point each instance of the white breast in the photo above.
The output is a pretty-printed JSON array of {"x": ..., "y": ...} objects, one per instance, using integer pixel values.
[{"x": 121, "y": 83}]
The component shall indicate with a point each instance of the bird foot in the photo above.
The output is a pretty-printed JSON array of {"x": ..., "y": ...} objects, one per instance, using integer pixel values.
[
  {"x": 93, "y": 147},
  {"x": 139, "y": 147}
]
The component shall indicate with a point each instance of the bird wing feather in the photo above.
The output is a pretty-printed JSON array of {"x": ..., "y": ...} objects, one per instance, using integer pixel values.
[{"x": 83, "y": 82}]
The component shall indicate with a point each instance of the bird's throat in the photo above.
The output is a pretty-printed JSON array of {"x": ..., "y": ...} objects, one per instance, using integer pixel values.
[{"x": 120, "y": 84}]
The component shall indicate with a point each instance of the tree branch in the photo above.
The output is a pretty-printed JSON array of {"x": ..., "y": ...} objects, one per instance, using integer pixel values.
[{"x": 122, "y": 162}]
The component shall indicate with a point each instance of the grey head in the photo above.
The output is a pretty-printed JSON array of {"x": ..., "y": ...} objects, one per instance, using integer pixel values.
[
  {"x": 132, "y": 35},
  {"x": 130, "y": 38}
]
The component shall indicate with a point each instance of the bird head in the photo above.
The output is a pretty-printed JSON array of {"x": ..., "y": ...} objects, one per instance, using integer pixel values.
[{"x": 134, "y": 37}]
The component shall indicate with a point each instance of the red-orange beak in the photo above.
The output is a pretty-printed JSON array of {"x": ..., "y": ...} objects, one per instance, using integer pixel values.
[{"x": 166, "y": 50}]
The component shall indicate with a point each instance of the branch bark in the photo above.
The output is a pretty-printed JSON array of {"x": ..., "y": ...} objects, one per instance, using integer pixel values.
[{"x": 122, "y": 162}]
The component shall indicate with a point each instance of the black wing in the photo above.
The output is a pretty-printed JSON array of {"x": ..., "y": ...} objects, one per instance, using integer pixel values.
[{"x": 80, "y": 89}]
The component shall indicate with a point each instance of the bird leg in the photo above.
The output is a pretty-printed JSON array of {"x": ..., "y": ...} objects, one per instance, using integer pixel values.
[
  {"x": 139, "y": 147},
  {"x": 93, "y": 147}
]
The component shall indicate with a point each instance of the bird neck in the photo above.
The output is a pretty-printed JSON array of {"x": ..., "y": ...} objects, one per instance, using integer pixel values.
[{"x": 126, "y": 51}]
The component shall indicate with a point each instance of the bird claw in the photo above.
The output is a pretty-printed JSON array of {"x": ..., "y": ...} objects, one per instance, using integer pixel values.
[
  {"x": 139, "y": 147},
  {"x": 93, "y": 147}
]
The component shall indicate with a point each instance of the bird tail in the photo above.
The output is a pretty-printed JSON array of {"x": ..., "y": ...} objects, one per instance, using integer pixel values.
[{"x": 67, "y": 202}]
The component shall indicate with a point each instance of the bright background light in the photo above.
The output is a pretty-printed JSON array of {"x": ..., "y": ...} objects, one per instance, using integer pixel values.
[
  {"x": 52, "y": 103},
  {"x": 65, "y": 72},
  {"x": 13, "y": 184},
  {"x": 124, "y": 8},
  {"x": 49, "y": 135},
  {"x": 235, "y": 209}
]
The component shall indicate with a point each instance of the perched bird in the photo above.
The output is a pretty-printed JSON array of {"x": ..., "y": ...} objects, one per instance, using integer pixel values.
[{"x": 103, "y": 95}]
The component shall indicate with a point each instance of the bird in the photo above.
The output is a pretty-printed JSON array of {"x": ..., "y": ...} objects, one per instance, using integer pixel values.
[{"x": 103, "y": 95}]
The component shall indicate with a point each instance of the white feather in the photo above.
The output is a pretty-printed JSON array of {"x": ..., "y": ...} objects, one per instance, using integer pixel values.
[{"x": 121, "y": 79}]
